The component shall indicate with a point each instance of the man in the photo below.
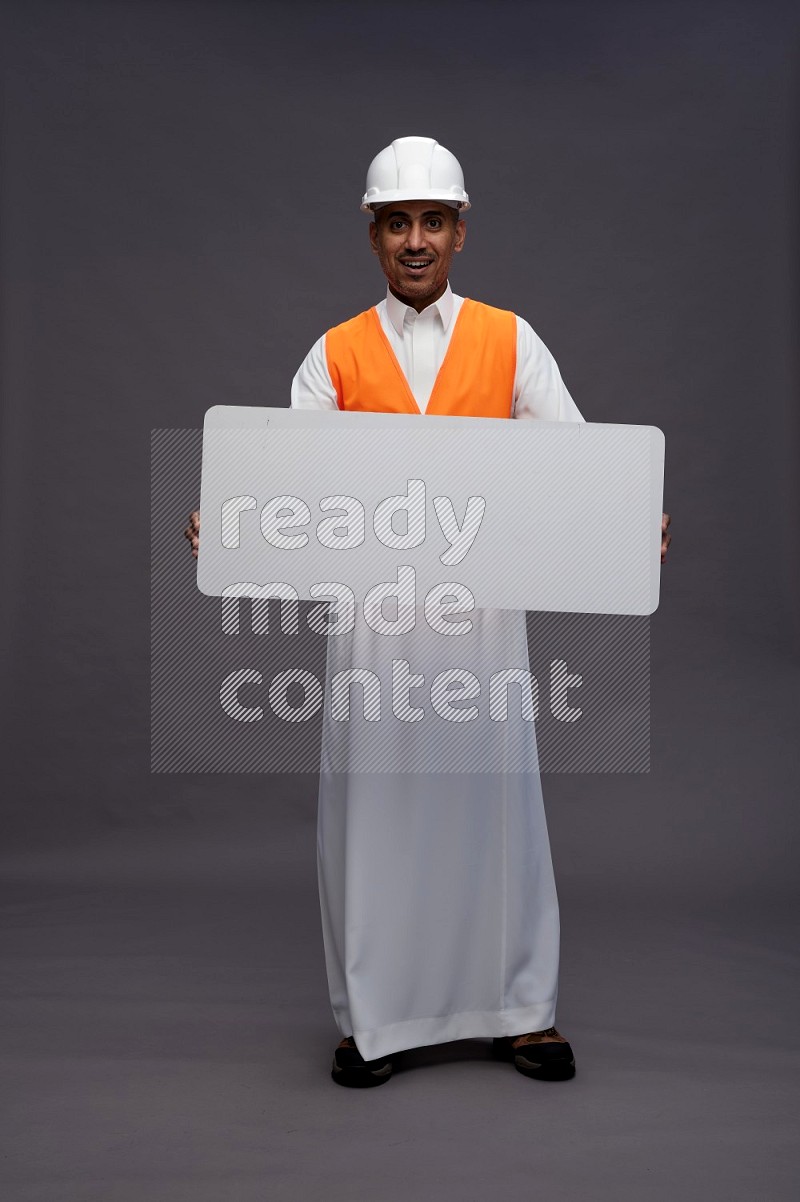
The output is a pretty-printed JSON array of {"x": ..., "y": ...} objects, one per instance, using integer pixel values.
[{"x": 439, "y": 909}]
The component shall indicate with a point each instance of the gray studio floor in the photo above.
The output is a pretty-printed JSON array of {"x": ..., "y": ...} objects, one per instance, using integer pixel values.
[{"x": 167, "y": 1034}]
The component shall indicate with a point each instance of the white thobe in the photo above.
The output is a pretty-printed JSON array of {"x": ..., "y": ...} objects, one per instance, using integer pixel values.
[{"x": 438, "y": 903}]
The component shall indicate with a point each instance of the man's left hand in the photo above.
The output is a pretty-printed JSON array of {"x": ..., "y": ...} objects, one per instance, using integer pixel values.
[{"x": 666, "y": 539}]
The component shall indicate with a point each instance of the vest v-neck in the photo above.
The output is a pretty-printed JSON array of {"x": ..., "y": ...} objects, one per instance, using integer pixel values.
[{"x": 393, "y": 357}]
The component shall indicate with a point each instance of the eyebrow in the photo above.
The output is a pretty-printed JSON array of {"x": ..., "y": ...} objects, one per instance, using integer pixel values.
[{"x": 427, "y": 213}]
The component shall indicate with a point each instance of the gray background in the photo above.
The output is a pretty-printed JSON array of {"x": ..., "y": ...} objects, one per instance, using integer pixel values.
[{"x": 178, "y": 223}]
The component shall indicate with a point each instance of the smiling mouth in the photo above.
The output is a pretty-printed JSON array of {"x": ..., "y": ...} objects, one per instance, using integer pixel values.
[{"x": 416, "y": 264}]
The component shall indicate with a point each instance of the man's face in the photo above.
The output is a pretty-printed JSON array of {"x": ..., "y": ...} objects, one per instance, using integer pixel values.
[{"x": 415, "y": 241}]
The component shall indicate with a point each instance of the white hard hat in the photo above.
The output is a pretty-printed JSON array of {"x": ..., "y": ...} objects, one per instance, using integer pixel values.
[{"x": 414, "y": 169}]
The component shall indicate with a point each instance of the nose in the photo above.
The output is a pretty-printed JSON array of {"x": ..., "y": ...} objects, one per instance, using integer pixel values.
[{"x": 417, "y": 236}]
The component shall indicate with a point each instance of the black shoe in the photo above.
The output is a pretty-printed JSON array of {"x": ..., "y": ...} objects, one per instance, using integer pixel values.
[
  {"x": 350, "y": 1068},
  {"x": 548, "y": 1061}
]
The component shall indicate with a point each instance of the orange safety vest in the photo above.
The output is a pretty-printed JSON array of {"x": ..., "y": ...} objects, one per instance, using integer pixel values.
[{"x": 476, "y": 378}]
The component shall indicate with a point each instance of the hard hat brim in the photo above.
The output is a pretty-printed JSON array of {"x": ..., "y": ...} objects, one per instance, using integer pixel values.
[{"x": 370, "y": 204}]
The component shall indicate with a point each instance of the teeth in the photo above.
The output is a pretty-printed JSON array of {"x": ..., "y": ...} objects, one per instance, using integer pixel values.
[{"x": 417, "y": 263}]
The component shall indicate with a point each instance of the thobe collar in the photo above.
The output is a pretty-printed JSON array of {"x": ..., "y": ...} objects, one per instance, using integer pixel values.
[{"x": 401, "y": 315}]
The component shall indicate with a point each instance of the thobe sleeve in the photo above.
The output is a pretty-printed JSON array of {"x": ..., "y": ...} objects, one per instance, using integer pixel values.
[
  {"x": 312, "y": 387},
  {"x": 539, "y": 391}
]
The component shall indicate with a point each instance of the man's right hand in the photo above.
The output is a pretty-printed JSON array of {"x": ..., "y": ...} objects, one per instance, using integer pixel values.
[{"x": 192, "y": 531}]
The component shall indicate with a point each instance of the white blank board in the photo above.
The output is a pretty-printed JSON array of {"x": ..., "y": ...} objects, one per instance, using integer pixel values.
[{"x": 570, "y": 512}]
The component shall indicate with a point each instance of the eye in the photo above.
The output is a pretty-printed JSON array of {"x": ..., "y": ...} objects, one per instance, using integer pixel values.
[
  {"x": 397, "y": 224},
  {"x": 435, "y": 223}
]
